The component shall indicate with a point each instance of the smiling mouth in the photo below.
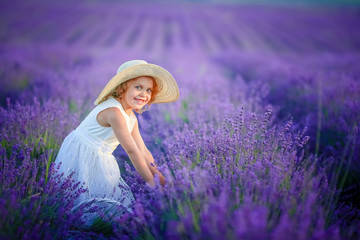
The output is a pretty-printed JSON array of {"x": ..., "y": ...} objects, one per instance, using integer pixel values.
[{"x": 140, "y": 101}]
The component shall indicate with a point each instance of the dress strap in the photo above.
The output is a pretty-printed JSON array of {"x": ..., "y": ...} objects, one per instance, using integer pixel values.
[{"x": 112, "y": 102}]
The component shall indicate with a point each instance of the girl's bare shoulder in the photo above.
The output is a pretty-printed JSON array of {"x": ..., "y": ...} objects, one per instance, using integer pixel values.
[{"x": 109, "y": 115}]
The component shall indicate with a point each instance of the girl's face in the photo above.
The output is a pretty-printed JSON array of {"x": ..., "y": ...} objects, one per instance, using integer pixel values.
[{"x": 138, "y": 93}]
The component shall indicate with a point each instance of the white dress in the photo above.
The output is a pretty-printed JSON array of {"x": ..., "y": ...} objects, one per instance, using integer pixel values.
[{"x": 87, "y": 151}]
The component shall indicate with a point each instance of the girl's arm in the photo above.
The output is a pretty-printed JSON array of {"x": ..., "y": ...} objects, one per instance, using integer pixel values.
[
  {"x": 116, "y": 120},
  {"x": 146, "y": 153}
]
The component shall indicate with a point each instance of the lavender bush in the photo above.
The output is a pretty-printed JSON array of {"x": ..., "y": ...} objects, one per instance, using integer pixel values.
[
  {"x": 263, "y": 143},
  {"x": 242, "y": 180},
  {"x": 325, "y": 101}
]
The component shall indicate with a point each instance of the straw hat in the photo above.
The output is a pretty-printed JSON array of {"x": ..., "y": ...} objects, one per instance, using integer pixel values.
[{"x": 168, "y": 89}]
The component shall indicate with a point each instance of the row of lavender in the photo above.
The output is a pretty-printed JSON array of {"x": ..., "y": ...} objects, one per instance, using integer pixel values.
[
  {"x": 235, "y": 165},
  {"x": 213, "y": 28}
]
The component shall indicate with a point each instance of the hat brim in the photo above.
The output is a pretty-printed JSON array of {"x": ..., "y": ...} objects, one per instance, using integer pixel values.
[{"x": 168, "y": 89}]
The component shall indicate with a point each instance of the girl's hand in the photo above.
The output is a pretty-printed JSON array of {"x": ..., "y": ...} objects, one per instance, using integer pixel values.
[
  {"x": 162, "y": 180},
  {"x": 161, "y": 177}
]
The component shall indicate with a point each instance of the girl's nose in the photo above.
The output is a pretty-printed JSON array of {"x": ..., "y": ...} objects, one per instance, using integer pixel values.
[{"x": 143, "y": 93}]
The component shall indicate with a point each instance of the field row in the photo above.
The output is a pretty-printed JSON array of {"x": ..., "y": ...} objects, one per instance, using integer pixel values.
[{"x": 211, "y": 28}]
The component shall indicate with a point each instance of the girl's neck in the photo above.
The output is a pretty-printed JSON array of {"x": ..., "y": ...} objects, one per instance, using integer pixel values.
[{"x": 128, "y": 110}]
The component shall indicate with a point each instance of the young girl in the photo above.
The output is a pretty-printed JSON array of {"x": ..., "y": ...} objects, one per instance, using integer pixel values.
[{"x": 87, "y": 151}]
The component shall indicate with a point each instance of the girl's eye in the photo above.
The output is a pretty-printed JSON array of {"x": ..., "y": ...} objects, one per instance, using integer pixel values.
[
  {"x": 149, "y": 90},
  {"x": 138, "y": 87}
]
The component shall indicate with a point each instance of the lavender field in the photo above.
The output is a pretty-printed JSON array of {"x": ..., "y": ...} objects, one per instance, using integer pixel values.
[{"x": 264, "y": 142}]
